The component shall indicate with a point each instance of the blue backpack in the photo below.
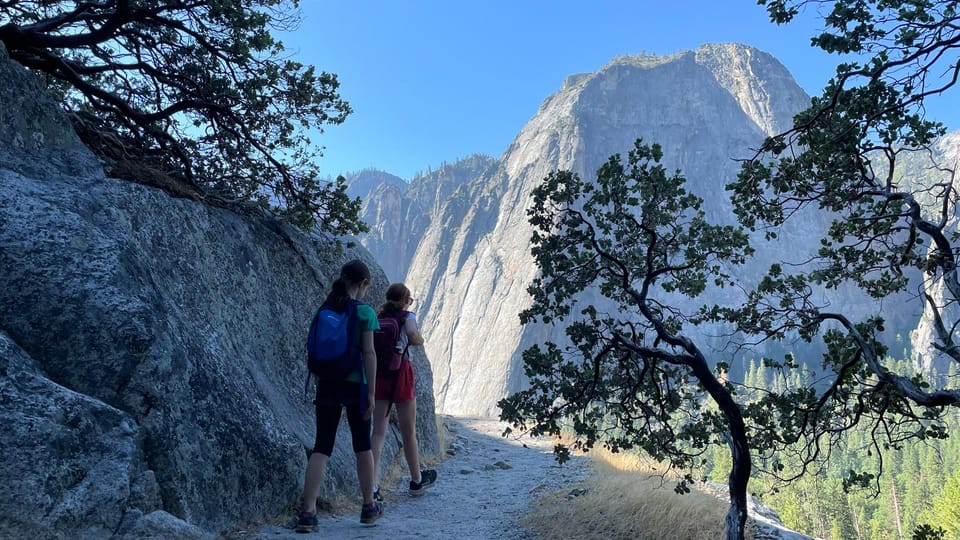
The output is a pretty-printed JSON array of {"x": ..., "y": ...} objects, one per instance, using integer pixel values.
[{"x": 332, "y": 349}]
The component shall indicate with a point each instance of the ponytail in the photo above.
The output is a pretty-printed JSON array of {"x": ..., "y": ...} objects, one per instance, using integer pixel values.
[
  {"x": 351, "y": 273},
  {"x": 338, "y": 295},
  {"x": 396, "y": 294}
]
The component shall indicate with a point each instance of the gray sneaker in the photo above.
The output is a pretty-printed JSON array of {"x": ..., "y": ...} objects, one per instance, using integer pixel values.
[{"x": 428, "y": 478}]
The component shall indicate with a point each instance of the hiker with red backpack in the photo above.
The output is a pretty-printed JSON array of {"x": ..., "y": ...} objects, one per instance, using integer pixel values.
[
  {"x": 395, "y": 384},
  {"x": 341, "y": 355}
]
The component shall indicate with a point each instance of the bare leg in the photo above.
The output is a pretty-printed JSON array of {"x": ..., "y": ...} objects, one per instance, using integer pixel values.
[
  {"x": 365, "y": 475},
  {"x": 380, "y": 421},
  {"x": 407, "y": 415},
  {"x": 311, "y": 484}
]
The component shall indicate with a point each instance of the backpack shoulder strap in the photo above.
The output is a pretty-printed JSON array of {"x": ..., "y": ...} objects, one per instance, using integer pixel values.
[
  {"x": 356, "y": 344},
  {"x": 402, "y": 320},
  {"x": 309, "y": 377},
  {"x": 399, "y": 315},
  {"x": 353, "y": 322}
]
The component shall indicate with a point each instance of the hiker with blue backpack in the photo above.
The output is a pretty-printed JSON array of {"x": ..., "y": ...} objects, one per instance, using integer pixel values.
[
  {"x": 395, "y": 384},
  {"x": 341, "y": 355}
]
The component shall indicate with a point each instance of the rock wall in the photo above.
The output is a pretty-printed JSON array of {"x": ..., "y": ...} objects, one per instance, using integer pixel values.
[
  {"x": 931, "y": 169},
  {"x": 706, "y": 108},
  {"x": 151, "y": 348},
  {"x": 398, "y": 213}
]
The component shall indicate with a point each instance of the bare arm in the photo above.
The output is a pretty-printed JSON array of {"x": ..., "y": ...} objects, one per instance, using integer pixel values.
[
  {"x": 413, "y": 332},
  {"x": 370, "y": 366}
]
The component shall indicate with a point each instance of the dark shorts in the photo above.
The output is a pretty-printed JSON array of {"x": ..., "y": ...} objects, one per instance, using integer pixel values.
[
  {"x": 397, "y": 388},
  {"x": 330, "y": 402}
]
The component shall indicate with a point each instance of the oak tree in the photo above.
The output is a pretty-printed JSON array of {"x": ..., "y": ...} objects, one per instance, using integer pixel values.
[
  {"x": 892, "y": 233},
  {"x": 636, "y": 378},
  {"x": 196, "y": 96},
  {"x": 630, "y": 376}
]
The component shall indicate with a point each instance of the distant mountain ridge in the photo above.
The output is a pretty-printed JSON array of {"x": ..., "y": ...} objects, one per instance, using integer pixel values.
[
  {"x": 398, "y": 212},
  {"x": 362, "y": 184},
  {"x": 470, "y": 261}
]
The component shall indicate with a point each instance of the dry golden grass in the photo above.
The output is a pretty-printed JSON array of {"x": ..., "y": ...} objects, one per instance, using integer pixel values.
[{"x": 626, "y": 498}]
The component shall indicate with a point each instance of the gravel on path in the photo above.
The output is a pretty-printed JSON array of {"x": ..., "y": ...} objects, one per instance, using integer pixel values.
[{"x": 484, "y": 487}]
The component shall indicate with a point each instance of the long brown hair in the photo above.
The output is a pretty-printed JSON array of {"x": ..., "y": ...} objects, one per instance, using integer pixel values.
[
  {"x": 396, "y": 293},
  {"x": 351, "y": 274}
]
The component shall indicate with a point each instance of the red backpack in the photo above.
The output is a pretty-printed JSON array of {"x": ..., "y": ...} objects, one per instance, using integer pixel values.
[{"x": 388, "y": 344}]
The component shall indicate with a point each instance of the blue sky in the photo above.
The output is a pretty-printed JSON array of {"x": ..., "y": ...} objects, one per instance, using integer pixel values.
[{"x": 433, "y": 81}]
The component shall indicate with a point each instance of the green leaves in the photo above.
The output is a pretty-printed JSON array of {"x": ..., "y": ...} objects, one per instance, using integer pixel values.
[
  {"x": 631, "y": 375},
  {"x": 626, "y": 377},
  {"x": 198, "y": 92},
  {"x": 634, "y": 228},
  {"x": 925, "y": 531},
  {"x": 844, "y": 158},
  {"x": 855, "y": 479}
]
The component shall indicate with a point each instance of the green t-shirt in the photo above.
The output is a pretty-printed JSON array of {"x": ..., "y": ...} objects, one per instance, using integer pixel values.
[{"x": 366, "y": 322}]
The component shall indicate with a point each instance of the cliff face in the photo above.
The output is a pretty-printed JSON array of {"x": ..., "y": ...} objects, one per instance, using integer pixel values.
[
  {"x": 151, "y": 349},
  {"x": 470, "y": 263},
  {"x": 398, "y": 213},
  {"x": 706, "y": 107},
  {"x": 923, "y": 169}
]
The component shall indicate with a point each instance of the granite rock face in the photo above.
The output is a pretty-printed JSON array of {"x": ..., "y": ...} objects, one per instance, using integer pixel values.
[
  {"x": 68, "y": 459},
  {"x": 37, "y": 139},
  {"x": 933, "y": 169},
  {"x": 706, "y": 108},
  {"x": 152, "y": 349},
  {"x": 398, "y": 213}
]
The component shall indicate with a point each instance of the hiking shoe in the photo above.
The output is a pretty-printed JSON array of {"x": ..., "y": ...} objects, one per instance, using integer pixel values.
[
  {"x": 428, "y": 478},
  {"x": 371, "y": 513},
  {"x": 308, "y": 523},
  {"x": 377, "y": 496}
]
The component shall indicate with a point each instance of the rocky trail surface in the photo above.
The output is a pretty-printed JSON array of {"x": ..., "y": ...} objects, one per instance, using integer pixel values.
[{"x": 484, "y": 488}]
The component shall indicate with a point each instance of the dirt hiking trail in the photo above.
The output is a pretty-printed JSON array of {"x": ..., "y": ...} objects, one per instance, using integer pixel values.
[{"x": 483, "y": 489}]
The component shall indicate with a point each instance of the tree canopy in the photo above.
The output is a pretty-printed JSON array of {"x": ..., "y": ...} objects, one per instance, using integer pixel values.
[
  {"x": 196, "y": 96},
  {"x": 633, "y": 376},
  {"x": 891, "y": 233},
  {"x": 630, "y": 377}
]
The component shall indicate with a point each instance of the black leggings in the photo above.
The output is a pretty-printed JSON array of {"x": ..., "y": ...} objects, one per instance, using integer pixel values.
[{"x": 329, "y": 403}]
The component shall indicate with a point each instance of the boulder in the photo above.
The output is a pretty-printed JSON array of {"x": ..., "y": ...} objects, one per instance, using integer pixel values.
[
  {"x": 74, "y": 464},
  {"x": 163, "y": 337},
  {"x": 37, "y": 139}
]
